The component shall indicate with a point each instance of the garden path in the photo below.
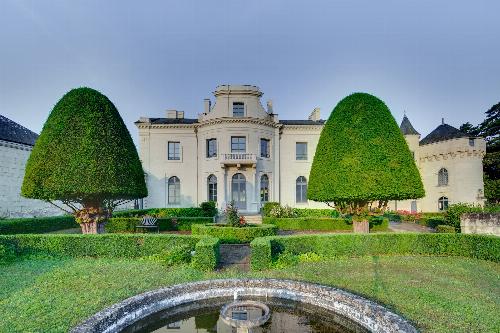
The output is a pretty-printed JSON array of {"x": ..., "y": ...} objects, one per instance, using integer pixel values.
[{"x": 408, "y": 227}]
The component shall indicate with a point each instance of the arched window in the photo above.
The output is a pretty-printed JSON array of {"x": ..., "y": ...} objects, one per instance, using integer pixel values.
[
  {"x": 301, "y": 190},
  {"x": 212, "y": 188},
  {"x": 443, "y": 203},
  {"x": 264, "y": 188},
  {"x": 442, "y": 177},
  {"x": 174, "y": 191}
]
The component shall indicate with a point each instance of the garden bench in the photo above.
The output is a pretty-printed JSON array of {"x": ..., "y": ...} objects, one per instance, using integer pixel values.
[{"x": 148, "y": 222}]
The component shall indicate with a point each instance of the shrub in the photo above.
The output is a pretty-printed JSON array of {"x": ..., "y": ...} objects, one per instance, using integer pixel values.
[
  {"x": 453, "y": 213},
  {"x": 379, "y": 223},
  {"x": 311, "y": 212},
  {"x": 362, "y": 156},
  {"x": 285, "y": 259},
  {"x": 234, "y": 235},
  {"x": 209, "y": 208},
  {"x": 312, "y": 223},
  {"x": 431, "y": 221},
  {"x": 408, "y": 216},
  {"x": 328, "y": 246},
  {"x": 6, "y": 253},
  {"x": 164, "y": 212},
  {"x": 268, "y": 206},
  {"x": 207, "y": 254},
  {"x": 231, "y": 216},
  {"x": 445, "y": 229},
  {"x": 174, "y": 256},
  {"x": 36, "y": 225},
  {"x": 127, "y": 224},
  {"x": 282, "y": 212}
]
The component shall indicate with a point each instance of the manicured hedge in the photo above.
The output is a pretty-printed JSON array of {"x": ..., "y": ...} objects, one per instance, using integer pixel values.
[
  {"x": 234, "y": 235},
  {"x": 445, "y": 229},
  {"x": 311, "y": 223},
  {"x": 36, "y": 225},
  {"x": 431, "y": 221},
  {"x": 324, "y": 224},
  {"x": 127, "y": 224},
  {"x": 312, "y": 212},
  {"x": 207, "y": 254},
  {"x": 474, "y": 246},
  {"x": 115, "y": 246},
  {"x": 166, "y": 212}
]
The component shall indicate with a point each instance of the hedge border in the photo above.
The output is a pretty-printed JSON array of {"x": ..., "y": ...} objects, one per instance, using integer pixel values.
[
  {"x": 323, "y": 224},
  {"x": 234, "y": 235},
  {"x": 329, "y": 246},
  {"x": 36, "y": 225},
  {"x": 127, "y": 224},
  {"x": 206, "y": 255}
]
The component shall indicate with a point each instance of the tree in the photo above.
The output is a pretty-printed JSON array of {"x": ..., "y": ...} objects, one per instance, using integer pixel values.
[
  {"x": 84, "y": 161},
  {"x": 362, "y": 157},
  {"x": 489, "y": 129}
]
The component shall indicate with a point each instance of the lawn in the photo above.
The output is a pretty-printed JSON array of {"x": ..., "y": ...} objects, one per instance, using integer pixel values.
[{"x": 439, "y": 294}]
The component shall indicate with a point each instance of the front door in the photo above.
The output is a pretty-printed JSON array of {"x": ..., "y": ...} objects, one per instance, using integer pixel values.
[{"x": 238, "y": 191}]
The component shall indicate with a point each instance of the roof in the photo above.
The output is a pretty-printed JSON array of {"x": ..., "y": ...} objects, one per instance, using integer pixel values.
[
  {"x": 187, "y": 121},
  {"x": 441, "y": 133},
  {"x": 302, "y": 122},
  {"x": 407, "y": 128},
  {"x": 13, "y": 132}
]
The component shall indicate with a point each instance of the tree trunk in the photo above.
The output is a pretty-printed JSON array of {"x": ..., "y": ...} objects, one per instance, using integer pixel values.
[{"x": 362, "y": 227}]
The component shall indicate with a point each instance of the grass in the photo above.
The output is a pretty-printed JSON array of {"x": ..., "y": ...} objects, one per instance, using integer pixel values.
[{"x": 439, "y": 294}]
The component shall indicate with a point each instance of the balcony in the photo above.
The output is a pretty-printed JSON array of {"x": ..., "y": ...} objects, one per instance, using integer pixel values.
[{"x": 238, "y": 160}]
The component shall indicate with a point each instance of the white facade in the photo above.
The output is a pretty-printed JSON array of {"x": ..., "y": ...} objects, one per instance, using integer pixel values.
[
  {"x": 13, "y": 158},
  {"x": 237, "y": 147}
]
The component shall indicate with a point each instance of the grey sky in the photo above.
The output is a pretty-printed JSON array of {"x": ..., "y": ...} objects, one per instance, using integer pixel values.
[{"x": 431, "y": 58}]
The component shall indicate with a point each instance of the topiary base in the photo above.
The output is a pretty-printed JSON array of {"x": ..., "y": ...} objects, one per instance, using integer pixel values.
[{"x": 361, "y": 227}]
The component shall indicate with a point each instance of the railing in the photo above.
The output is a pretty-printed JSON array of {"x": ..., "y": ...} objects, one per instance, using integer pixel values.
[{"x": 239, "y": 157}]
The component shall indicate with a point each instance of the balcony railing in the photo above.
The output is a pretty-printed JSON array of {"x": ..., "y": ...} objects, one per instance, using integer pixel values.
[{"x": 238, "y": 159}]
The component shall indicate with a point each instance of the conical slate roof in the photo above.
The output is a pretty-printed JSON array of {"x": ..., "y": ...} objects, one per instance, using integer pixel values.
[
  {"x": 407, "y": 128},
  {"x": 441, "y": 133},
  {"x": 13, "y": 132}
]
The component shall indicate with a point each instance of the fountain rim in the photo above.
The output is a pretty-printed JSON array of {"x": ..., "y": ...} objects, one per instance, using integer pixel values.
[{"x": 360, "y": 310}]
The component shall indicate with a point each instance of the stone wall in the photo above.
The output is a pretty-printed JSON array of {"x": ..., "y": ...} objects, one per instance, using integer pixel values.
[
  {"x": 13, "y": 158},
  {"x": 481, "y": 223}
]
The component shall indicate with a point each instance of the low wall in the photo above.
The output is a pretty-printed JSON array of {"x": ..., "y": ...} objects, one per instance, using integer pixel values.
[{"x": 480, "y": 223}]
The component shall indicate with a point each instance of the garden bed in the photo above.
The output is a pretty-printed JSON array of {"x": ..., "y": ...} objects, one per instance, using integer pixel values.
[{"x": 234, "y": 235}]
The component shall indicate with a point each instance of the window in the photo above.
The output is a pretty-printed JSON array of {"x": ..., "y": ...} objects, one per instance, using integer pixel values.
[
  {"x": 238, "y": 144},
  {"x": 443, "y": 177},
  {"x": 212, "y": 188},
  {"x": 238, "y": 109},
  {"x": 174, "y": 151},
  {"x": 471, "y": 142},
  {"x": 264, "y": 188},
  {"x": 264, "y": 148},
  {"x": 301, "y": 151},
  {"x": 211, "y": 147},
  {"x": 443, "y": 203},
  {"x": 174, "y": 191},
  {"x": 301, "y": 190}
]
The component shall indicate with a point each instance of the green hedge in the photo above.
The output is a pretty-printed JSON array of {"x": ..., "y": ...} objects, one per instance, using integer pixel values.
[
  {"x": 309, "y": 223},
  {"x": 111, "y": 245},
  {"x": 431, "y": 221},
  {"x": 474, "y": 246},
  {"x": 324, "y": 224},
  {"x": 127, "y": 224},
  {"x": 445, "y": 229},
  {"x": 234, "y": 235},
  {"x": 207, "y": 254},
  {"x": 167, "y": 212},
  {"x": 36, "y": 225}
]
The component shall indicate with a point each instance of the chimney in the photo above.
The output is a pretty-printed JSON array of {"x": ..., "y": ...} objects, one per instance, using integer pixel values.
[
  {"x": 270, "y": 106},
  {"x": 208, "y": 104},
  {"x": 174, "y": 114},
  {"x": 442, "y": 121},
  {"x": 315, "y": 115}
]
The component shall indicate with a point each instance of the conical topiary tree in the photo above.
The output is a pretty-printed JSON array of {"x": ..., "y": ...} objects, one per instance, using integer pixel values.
[
  {"x": 84, "y": 161},
  {"x": 362, "y": 157}
]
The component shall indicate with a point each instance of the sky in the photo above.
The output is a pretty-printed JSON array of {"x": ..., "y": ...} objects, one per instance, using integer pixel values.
[{"x": 432, "y": 59}]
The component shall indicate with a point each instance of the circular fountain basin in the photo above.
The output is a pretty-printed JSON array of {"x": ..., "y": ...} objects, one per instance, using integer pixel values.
[
  {"x": 255, "y": 314},
  {"x": 363, "y": 312}
]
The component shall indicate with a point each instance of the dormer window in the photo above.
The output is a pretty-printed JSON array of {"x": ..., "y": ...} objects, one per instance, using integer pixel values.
[{"x": 238, "y": 109}]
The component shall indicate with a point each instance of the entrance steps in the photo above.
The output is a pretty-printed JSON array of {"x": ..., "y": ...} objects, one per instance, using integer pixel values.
[{"x": 254, "y": 218}]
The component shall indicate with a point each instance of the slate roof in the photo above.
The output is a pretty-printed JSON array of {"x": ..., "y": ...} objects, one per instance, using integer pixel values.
[
  {"x": 186, "y": 121},
  {"x": 13, "y": 132},
  {"x": 302, "y": 122},
  {"x": 407, "y": 128},
  {"x": 441, "y": 133}
]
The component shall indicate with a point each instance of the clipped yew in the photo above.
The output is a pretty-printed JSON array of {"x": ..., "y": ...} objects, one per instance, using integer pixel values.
[
  {"x": 361, "y": 158},
  {"x": 84, "y": 161}
]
